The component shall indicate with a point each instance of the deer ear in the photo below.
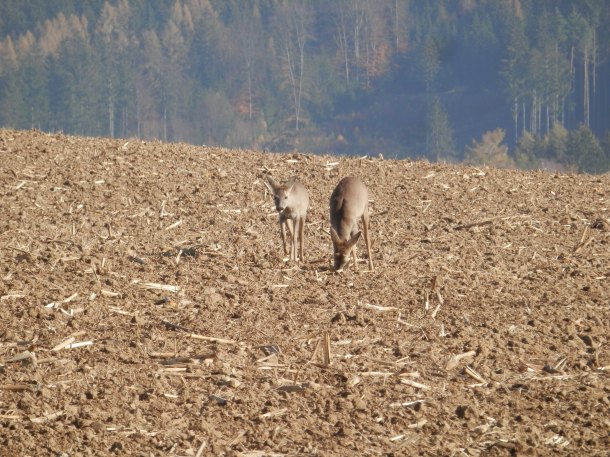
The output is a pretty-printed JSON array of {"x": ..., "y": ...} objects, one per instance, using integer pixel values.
[
  {"x": 290, "y": 184},
  {"x": 334, "y": 236},
  {"x": 274, "y": 185},
  {"x": 353, "y": 240}
]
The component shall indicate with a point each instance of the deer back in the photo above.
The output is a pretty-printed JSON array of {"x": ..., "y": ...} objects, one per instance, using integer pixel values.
[{"x": 348, "y": 203}]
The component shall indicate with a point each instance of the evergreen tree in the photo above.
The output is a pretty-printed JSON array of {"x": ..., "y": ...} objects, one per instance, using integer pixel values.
[
  {"x": 13, "y": 104},
  {"x": 440, "y": 144},
  {"x": 605, "y": 144},
  {"x": 33, "y": 73},
  {"x": 556, "y": 145},
  {"x": 586, "y": 152},
  {"x": 526, "y": 154},
  {"x": 514, "y": 71}
]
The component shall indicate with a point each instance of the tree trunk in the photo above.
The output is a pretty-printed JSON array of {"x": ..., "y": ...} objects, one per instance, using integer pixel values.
[
  {"x": 538, "y": 112},
  {"x": 138, "y": 120},
  {"x": 357, "y": 28},
  {"x": 396, "y": 41},
  {"x": 516, "y": 119},
  {"x": 594, "y": 60},
  {"x": 586, "y": 86},
  {"x": 292, "y": 78},
  {"x": 111, "y": 117},
  {"x": 533, "y": 113},
  {"x": 343, "y": 45},
  {"x": 572, "y": 78},
  {"x": 301, "y": 42},
  {"x": 124, "y": 121}
]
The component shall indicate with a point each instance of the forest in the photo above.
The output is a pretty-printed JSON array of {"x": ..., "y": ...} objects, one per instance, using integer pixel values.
[{"x": 507, "y": 83}]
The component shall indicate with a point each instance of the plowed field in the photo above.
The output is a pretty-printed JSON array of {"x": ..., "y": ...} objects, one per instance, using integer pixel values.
[{"x": 147, "y": 307}]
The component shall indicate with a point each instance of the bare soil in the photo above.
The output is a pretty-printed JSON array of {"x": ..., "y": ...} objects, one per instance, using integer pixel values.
[{"x": 147, "y": 307}]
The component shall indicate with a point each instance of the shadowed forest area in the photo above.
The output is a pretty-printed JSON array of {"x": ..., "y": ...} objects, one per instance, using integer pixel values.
[{"x": 509, "y": 83}]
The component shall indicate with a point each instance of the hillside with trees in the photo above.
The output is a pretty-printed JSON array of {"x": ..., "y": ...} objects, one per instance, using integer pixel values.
[{"x": 510, "y": 83}]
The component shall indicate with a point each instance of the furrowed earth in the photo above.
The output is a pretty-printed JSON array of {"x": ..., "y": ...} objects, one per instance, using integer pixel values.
[{"x": 147, "y": 307}]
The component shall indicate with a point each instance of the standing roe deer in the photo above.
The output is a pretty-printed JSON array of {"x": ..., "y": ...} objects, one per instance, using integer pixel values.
[
  {"x": 348, "y": 203},
  {"x": 291, "y": 201}
]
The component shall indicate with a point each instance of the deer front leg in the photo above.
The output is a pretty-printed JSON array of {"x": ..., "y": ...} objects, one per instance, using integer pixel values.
[
  {"x": 353, "y": 240},
  {"x": 283, "y": 233},
  {"x": 367, "y": 240},
  {"x": 290, "y": 227}
]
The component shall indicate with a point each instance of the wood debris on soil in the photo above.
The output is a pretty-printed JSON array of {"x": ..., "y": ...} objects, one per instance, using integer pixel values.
[{"x": 147, "y": 307}]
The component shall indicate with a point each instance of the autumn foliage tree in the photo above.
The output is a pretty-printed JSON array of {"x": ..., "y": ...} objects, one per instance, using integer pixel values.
[{"x": 489, "y": 151}]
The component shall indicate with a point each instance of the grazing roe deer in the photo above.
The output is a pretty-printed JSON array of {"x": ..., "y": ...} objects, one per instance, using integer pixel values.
[
  {"x": 348, "y": 203},
  {"x": 291, "y": 201}
]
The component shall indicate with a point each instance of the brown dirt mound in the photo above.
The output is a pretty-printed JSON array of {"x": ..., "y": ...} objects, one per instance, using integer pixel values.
[{"x": 483, "y": 330}]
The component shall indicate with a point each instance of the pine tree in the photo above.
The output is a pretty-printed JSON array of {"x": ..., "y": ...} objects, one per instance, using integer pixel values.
[
  {"x": 514, "y": 72},
  {"x": 526, "y": 154},
  {"x": 440, "y": 134},
  {"x": 605, "y": 144},
  {"x": 584, "y": 150},
  {"x": 555, "y": 144}
]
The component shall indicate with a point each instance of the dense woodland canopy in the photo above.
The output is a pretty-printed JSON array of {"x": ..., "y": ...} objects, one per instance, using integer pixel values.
[{"x": 502, "y": 82}]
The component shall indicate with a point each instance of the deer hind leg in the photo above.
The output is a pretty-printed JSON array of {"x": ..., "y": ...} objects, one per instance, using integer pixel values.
[
  {"x": 367, "y": 240},
  {"x": 301, "y": 222},
  {"x": 293, "y": 250}
]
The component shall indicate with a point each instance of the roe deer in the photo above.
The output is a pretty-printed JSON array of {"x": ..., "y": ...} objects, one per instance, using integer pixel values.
[
  {"x": 291, "y": 201},
  {"x": 348, "y": 203}
]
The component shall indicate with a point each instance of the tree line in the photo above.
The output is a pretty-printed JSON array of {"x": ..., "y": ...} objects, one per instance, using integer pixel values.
[{"x": 505, "y": 82}]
